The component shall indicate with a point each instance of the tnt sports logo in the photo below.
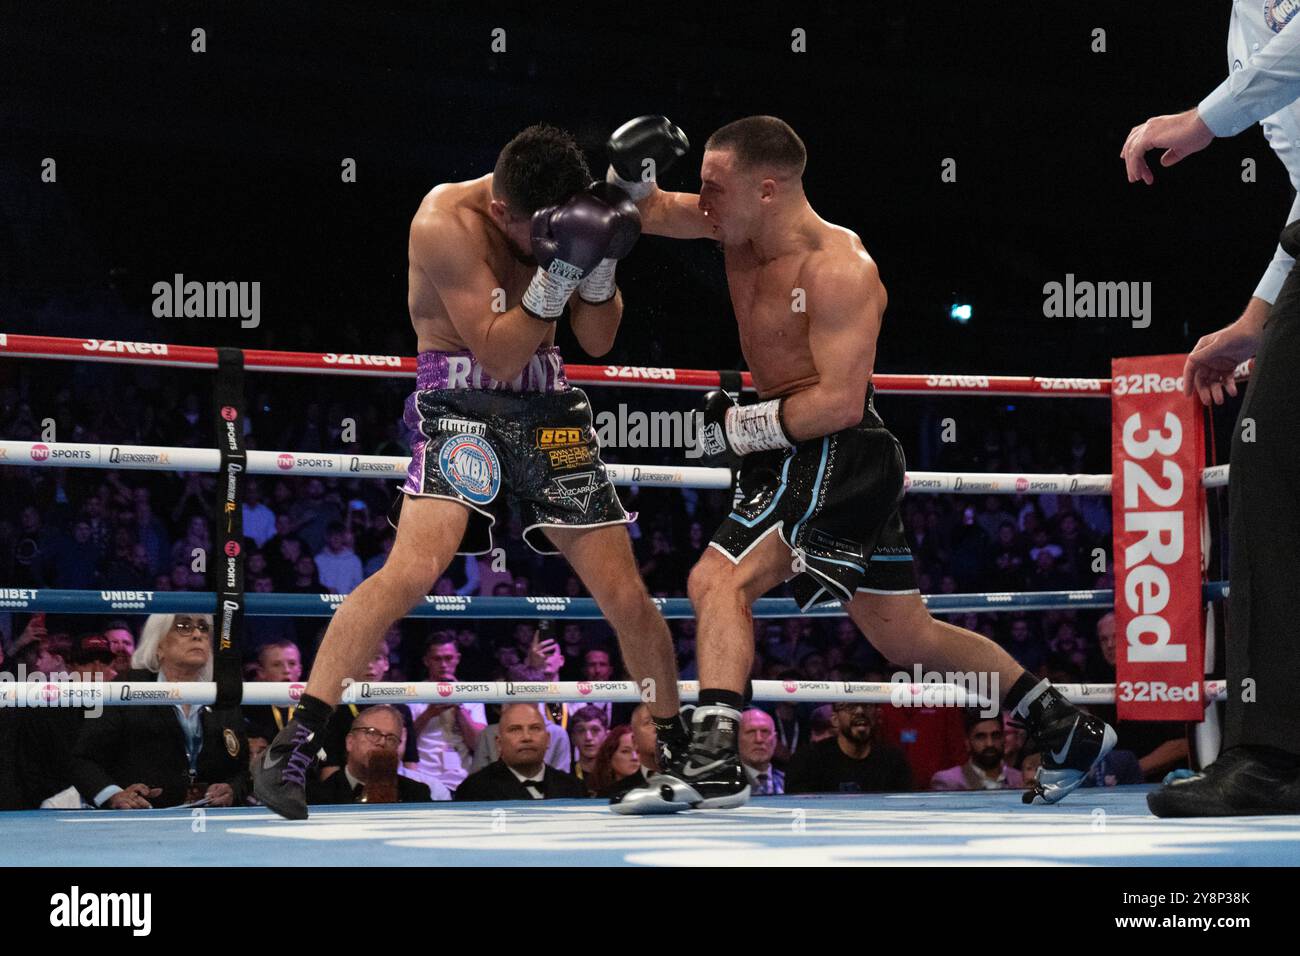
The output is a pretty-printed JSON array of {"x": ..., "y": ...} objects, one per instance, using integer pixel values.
[
  {"x": 40, "y": 452},
  {"x": 790, "y": 687},
  {"x": 232, "y": 549},
  {"x": 284, "y": 461},
  {"x": 907, "y": 481},
  {"x": 584, "y": 687},
  {"x": 444, "y": 690},
  {"x": 470, "y": 466},
  {"x": 1022, "y": 485},
  {"x": 229, "y": 413},
  {"x": 1278, "y": 13},
  {"x": 295, "y": 691}
]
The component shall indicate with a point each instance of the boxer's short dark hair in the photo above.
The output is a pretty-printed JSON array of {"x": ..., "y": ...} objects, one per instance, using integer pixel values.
[
  {"x": 542, "y": 166},
  {"x": 762, "y": 141}
]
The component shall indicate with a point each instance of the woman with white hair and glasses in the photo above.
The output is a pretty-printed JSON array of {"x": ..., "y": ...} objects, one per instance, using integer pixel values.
[{"x": 136, "y": 757}]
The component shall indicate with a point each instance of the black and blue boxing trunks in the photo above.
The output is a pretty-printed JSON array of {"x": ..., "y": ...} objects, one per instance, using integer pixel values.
[
  {"x": 529, "y": 441},
  {"x": 834, "y": 502}
]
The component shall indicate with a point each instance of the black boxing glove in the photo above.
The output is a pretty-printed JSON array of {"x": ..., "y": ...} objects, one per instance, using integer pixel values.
[
  {"x": 728, "y": 432},
  {"x": 569, "y": 241},
  {"x": 640, "y": 150},
  {"x": 598, "y": 287}
]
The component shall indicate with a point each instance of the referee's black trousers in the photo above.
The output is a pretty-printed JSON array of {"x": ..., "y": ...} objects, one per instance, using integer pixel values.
[{"x": 1263, "y": 641}]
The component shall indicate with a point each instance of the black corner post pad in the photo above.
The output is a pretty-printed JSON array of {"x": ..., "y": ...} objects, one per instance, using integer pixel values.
[{"x": 227, "y": 566}]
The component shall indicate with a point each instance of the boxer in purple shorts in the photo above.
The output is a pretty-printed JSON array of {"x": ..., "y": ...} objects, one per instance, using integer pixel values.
[{"x": 493, "y": 264}]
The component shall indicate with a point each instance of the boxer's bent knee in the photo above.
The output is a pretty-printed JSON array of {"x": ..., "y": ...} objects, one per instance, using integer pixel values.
[{"x": 713, "y": 575}]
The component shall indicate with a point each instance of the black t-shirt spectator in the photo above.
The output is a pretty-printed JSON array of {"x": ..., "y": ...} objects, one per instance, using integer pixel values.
[{"x": 822, "y": 767}]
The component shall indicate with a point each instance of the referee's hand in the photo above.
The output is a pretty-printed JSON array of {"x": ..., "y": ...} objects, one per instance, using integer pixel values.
[
  {"x": 1208, "y": 371},
  {"x": 1179, "y": 135}
]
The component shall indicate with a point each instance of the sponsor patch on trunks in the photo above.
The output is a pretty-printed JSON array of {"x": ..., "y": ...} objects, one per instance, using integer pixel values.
[{"x": 471, "y": 467}]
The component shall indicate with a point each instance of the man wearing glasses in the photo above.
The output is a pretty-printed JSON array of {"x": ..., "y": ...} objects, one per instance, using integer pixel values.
[{"x": 373, "y": 746}]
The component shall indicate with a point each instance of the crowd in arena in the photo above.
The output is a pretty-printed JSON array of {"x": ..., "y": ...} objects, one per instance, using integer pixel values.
[{"x": 67, "y": 528}]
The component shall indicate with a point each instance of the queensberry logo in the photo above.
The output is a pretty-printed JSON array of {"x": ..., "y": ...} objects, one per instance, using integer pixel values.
[
  {"x": 126, "y": 693},
  {"x": 356, "y": 464}
]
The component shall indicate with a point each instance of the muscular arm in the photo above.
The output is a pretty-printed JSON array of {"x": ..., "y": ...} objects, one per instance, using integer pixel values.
[
  {"x": 453, "y": 260},
  {"x": 676, "y": 215},
  {"x": 596, "y": 325},
  {"x": 845, "y": 305}
]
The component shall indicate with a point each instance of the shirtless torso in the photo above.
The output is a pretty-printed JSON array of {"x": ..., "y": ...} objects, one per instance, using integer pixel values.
[
  {"x": 453, "y": 218},
  {"x": 808, "y": 308},
  {"x": 776, "y": 338}
]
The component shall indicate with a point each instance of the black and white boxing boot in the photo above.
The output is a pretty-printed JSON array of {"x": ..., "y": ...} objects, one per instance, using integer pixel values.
[
  {"x": 1070, "y": 741},
  {"x": 709, "y": 776}
]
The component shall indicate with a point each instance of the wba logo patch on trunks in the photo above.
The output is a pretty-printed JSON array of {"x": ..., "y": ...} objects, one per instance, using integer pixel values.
[{"x": 471, "y": 467}]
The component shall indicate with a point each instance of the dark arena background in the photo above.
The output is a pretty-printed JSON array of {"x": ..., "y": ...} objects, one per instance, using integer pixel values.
[{"x": 974, "y": 148}]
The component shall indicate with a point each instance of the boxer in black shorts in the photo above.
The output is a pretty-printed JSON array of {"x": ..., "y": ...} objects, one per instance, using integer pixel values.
[
  {"x": 820, "y": 475},
  {"x": 482, "y": 445},
  {"x": 834, "y": 502},
  {"x": 493, "y": 264}
]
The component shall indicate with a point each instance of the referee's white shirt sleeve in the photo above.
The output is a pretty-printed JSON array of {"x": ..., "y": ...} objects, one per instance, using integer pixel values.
[{"x": 1269, "y": 81}]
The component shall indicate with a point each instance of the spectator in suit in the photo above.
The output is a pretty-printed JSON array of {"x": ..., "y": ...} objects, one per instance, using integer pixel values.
[
  {"x": 851, "y": 762},
  {"x": 559, "y": 751},
  {"x": 587, "y": 731},
  {"x": 757, "y": 744},
  {"x": 618, "y": 767},
  {"x": 377, "y": 731},
  {"x": 520, "y": 773},
  {"x": 162, "y": 756},
  {"x": 986, "y": 768}
]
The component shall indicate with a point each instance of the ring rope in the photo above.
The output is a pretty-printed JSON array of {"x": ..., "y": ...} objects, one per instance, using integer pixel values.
[
  {"x": 58, "y": 601},
  {"x": 164, "y": 693}
]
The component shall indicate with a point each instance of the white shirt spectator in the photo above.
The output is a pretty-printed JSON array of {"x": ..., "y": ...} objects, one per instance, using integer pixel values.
[{"x": 444, "y": 755}]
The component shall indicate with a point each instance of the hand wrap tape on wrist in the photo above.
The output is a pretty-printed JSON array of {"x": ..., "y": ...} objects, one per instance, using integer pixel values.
[
  {"x": 597, "y": 287},
  {"x": 758, "y": 427}
]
